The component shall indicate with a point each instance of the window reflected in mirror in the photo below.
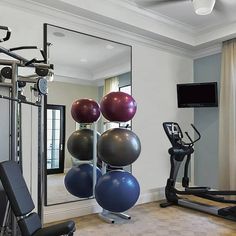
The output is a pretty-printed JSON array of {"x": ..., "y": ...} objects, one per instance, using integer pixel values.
[{"x": 55, "y": 139}]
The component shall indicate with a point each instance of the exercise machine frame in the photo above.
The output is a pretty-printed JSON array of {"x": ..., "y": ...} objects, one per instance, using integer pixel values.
[
  {"x": 13, "y": 80},
  {"x": 180, "y": 151}
]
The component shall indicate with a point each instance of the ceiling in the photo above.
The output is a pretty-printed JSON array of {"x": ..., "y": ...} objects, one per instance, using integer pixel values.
[
  {"x": 174, "y": 27},
  {"x": 86, "y": 57},
  {"x": 183, "y": 12}
]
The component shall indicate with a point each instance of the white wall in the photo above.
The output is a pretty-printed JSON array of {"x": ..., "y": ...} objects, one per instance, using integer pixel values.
[{"x": 155, "y": 74}]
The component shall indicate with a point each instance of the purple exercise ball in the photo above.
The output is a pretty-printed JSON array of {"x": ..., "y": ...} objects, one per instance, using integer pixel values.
[
  {"x": 118, "y": 106},
  {"x": 85, "y": 111}
]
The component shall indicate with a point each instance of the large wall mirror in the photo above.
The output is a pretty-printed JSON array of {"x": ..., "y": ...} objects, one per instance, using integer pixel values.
[{"x": 86, "y": 66}]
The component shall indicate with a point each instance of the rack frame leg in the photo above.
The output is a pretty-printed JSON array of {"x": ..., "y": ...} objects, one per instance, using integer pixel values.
[{"x": 107, "y": 216}]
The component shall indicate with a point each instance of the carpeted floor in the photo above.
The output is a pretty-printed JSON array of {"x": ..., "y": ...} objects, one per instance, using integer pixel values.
[{"x": 151, "y": 220}]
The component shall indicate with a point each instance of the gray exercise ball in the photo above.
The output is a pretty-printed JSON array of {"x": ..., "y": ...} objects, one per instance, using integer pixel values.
[
  {"x": 80, "y": 144},
  {"x": 119, "y": 147}
]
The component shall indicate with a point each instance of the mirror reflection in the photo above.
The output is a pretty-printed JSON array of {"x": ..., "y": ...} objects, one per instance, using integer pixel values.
[{"x": 85, "y": 67}]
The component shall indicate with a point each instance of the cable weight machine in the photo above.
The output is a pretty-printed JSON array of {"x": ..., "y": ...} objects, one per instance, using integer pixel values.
[{"x": 37, "y": 83}]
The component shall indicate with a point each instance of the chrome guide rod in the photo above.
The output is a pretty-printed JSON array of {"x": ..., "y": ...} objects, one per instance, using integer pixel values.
[{"x": 94, "y": 156}]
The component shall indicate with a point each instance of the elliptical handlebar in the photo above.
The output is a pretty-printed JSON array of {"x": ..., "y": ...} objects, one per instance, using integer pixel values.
[
  {"x": 189, "y": 137},
  {"x": 193, "y": 141}
]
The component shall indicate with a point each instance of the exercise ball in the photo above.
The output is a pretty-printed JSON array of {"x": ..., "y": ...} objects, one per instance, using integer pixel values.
[
  {"x": 85, "y": 111},
  {"x": 79, "y": 180},
  {"x": 117, "y": 191},
  {"x": 80, "y": 144},
  {"x": 118, "y": 147},
  {"x": 118, "y": 106}
]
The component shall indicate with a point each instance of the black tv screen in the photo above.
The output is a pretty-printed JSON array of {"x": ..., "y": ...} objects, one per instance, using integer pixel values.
[{"x": 197, "y": 95}]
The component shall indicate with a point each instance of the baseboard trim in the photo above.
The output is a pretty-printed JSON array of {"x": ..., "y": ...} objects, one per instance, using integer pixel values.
[
  {"x": 152, "y": 196},
  {"x": 70, "y": 210},
  {"x": 80, "y": 208}
]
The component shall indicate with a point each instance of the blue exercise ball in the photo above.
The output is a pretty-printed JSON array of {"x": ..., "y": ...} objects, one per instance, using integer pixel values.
[
  {"x": 79, "y": 180},
  {"x": 117, "y": 191}
]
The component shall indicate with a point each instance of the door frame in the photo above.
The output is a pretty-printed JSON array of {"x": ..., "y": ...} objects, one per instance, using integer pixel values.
[{"x": 62, "y": 108}]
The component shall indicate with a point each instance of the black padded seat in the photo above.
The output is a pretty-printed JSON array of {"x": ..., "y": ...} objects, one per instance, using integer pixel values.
[
  {"x": 16, "y": 188},
  {"x": 22, "y": 204},
  {"x": 63, "y": 228},
  {"x": 3, "y": 203},
  {"x": 31, "y": 226}
]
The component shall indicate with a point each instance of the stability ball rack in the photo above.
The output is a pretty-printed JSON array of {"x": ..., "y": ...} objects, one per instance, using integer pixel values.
[
  {"x": 105, "y": 214},
  {"x": 39, "y": 81}
]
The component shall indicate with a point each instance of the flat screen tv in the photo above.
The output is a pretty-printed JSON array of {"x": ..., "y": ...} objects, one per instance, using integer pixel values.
[{"x": 197, "y": 95}]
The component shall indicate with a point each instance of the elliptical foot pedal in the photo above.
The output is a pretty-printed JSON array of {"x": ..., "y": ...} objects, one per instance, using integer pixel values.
[
  {"x": 227, "y": 211},
  {"x": 196, "y": 190}
]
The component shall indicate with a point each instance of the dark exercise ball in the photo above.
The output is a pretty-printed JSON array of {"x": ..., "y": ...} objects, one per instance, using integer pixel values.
[
  {"x": 117, "y": 191},
  {"x": 85, "y": 111},
  {"x": 119, "y": 147},
  {"x": 80, "y": 144},
  {"x": 79, "y": 180},
  {"x": 118, "y": 106}
]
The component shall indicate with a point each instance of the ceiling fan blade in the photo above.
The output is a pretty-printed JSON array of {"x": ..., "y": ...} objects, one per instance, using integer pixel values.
[{"x": 150, "y": 3}]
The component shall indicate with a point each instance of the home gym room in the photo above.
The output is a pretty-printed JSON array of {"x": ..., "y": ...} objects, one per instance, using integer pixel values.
[{"x": 117, "y": 117}]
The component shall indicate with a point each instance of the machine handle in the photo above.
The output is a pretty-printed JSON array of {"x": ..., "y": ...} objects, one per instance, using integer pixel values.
[
  {"x": 198, "y": 133},
  {"x": 43, "y": 55},
  {"x": 22, "y": 48},
  {"x": 8, "y": 34},
  {"x": 3, "y": 27},
  {"x": 189, "y": 137},
  {"x": 34, "y": 60},
  {"x": 191, "y": 141}
]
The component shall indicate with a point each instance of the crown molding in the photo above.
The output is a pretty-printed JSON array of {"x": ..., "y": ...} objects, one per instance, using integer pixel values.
[
  {"x": 184, "y": 27},
  {"x": 206, "y": 29},
  {"x": 156, "y": 16},
  {"x": 72, "y": 80},
  {"x": 208, "y": 51},
  {"x": 96, "y": 28},
  {"x": 202, "y": 35}
]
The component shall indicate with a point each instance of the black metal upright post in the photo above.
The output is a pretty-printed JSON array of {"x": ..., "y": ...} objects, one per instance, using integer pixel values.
[
  {"x": 13, "y": 134},
  {"x": 41, "y": 157}
]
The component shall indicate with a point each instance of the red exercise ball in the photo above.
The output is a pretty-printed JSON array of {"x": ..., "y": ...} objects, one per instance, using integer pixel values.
[
  {"x": 118, "y": 106},
  {"x": 85, "y": 111}
]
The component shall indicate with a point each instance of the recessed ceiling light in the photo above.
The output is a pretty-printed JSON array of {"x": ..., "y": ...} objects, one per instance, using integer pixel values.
[
  {"x": 109, "y": 46},
  {"x": 59, "y": 34},
  {"x": 83, "y": 60}
]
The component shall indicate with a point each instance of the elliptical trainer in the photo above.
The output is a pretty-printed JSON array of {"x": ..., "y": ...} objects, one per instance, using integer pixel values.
[{"x": 178, "y": 152}]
